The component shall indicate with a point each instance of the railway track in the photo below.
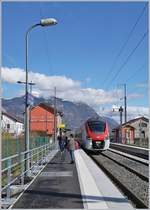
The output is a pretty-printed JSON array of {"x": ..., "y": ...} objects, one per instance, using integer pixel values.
[
  {"x": 131, "y": 165},
  {"x": 132, "y": 150},
  {"x": 130, "y": 175}
]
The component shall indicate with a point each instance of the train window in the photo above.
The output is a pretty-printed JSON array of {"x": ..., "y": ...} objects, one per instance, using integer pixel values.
[{"x": 97, "y": 127}]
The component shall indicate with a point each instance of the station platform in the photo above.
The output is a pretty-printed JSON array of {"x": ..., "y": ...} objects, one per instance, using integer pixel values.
[{"x": 81, "y": 185}]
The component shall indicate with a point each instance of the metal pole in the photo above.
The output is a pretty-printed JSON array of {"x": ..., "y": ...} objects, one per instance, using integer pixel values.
[
  {"x": 125, "y": 103},
  {"x": 44, "y": 22},
  {"x": 121, "y": 110},
  {"x": 26, "y": 113},
  {"x": 140, "y": 129},
  {"x": 31, "y": 87},
  {"x": 27, "y": 143},
  {"x": 54, "y": 114},
  {"x": 30, "y": 84},
  {"x": 46, "y": 119}
]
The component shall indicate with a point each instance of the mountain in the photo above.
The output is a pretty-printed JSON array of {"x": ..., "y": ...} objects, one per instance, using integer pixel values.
[
  {"x": 74, "y": 113},
  {"x": 111, "y": 122}
]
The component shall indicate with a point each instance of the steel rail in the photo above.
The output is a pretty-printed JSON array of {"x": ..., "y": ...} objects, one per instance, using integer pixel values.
[
  {"x": 145, "y": 178},
  {"x": 131, "y": 157},
  {"x": 139, "y": 203}
]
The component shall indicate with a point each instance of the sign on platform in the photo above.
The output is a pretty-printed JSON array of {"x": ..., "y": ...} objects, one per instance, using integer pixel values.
[{"x": 61, "y": 125}]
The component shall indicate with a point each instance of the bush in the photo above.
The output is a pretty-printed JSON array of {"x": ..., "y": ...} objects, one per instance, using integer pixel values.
[{"x": 34, "y": 134}]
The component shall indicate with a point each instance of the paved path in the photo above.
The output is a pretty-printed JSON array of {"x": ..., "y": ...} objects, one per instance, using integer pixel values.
[
  {"x": 56, "y": 187},
  {"x": 82, "y": 185}
]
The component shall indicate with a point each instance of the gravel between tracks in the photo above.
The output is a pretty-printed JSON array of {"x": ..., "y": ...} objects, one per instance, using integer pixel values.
[
  {"x": 139, "y": 167},
  {"x": 130, "y": 180}
]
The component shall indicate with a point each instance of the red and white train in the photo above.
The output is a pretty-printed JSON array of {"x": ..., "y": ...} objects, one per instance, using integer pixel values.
[{"x": 93, "y": 135}]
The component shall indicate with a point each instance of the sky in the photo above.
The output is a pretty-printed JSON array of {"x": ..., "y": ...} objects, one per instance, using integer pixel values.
[{"x": 94, "y": 50}]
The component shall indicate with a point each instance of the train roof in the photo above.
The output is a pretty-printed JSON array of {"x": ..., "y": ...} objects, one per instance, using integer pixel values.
[{"x": 96, "y": 119}]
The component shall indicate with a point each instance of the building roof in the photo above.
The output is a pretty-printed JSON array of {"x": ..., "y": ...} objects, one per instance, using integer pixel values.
[
  {"x": 44, "y": 106},
  {"x": 132, "y": 121},
  {"x": 136, "y": 119},
  {"x": 48, "y": 108},
  {"x": 14, "y": 118}
]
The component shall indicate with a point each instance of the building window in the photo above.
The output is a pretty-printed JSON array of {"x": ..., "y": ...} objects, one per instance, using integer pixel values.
[
  {"x": 143, "y": 134},
  {"x": 143, "y": 125},
  {"x": 136, "y": 133},
  {"x": 8, "y": 126}
]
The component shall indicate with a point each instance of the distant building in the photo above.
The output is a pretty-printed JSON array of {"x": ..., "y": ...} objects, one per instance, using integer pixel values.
[
  {"x": 133, "y": 130},
  {"x": 42, "y": 119},
  {"x": 11, "y": 124}
]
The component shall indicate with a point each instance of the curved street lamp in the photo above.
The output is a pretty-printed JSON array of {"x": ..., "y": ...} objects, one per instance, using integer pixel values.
[{"x": 43, "y": 23}]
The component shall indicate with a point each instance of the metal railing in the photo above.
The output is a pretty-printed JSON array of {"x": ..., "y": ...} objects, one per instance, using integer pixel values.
[{"x": 16, "y": 162}]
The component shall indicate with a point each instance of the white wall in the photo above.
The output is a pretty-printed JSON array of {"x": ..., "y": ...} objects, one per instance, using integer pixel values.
[
  {"x": 11, "y": 126},
  {"x": 59, "y": 120},
  {"x": 139, "y": 128}
]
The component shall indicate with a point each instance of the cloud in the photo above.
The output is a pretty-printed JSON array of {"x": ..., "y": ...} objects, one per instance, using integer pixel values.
[
  {"x": 87, "y": 79},
  {"x": 135, "y": 95},
  {"x": 69, "y": 89},
  {"x": 132, "y": 112},
  {"x": 142, "y": 85},
  {"x": 136, "y": 111},
  {"x": 43, "y": 82},
  {"x": 12, "y": 75},
  {"x": 66, "y": 87}
]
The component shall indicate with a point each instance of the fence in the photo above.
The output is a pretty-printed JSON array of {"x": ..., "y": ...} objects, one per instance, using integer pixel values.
[
  {"x": 11, "y": 146},
  {"x": 13, "y": 167}
]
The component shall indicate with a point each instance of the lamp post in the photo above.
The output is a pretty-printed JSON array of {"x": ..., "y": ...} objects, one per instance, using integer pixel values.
[
  {"x": 43, "y": 23},
  {"x": 30, "y": 83}
]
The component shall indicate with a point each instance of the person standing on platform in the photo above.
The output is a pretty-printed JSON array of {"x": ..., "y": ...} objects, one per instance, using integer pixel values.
[
  {"x": 65, "y": 140},
  {"x": 60, "y": 141},
  {"x": 71, "y": 147}
]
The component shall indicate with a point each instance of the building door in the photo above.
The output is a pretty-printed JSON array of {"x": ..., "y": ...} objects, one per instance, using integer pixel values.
[{"x": 128, "y": 136}]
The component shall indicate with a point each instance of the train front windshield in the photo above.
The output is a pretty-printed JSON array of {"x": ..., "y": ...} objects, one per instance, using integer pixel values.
[{"x": 97, "y": 127}]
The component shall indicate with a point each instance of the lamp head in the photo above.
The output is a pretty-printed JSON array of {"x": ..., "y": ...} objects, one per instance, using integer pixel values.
[{"x": 48, "y": 22}]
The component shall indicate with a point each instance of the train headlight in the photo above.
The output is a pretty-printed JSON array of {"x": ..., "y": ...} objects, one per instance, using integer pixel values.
[{"x": 89, "y": 139}]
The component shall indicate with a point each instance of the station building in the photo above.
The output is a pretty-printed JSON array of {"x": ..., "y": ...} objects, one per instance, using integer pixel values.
[
  {"x": 42, "y": 119},
  {"x": 132, "y": 132}
]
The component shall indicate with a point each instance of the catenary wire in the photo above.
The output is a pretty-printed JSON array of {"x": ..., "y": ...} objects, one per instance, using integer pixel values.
[
  {"x": 134, "y": 74},
  {"x": 128, "y": 58},
  {"x": 125, "y": 43}
]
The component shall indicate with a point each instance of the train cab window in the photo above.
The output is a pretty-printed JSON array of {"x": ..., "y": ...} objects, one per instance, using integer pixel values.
[{"x": 97, "y": 127}]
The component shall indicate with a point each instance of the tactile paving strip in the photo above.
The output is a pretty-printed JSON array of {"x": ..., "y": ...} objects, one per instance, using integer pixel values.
[{"x": 56, "y": 174}]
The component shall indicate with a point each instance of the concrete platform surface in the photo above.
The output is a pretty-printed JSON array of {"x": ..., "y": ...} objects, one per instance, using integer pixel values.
[
  {"x": 97, "y": 189},
  {"x": 82, "y": 185},
  {"x": 57, "y": 186}
]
